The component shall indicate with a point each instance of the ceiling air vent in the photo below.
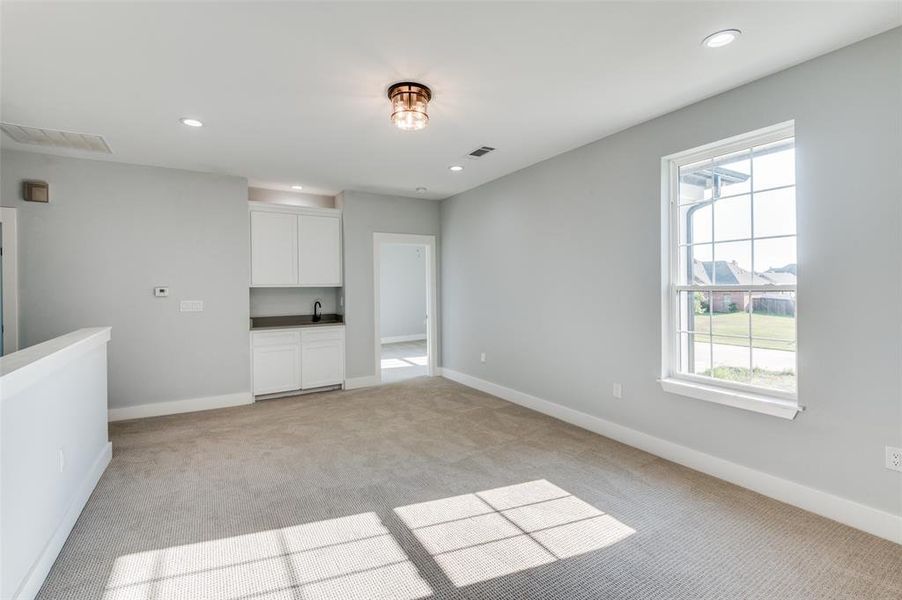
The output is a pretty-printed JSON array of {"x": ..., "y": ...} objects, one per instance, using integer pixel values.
[
  {"x": 52, "y": 138},
  {"x": 480, "y": 152}
]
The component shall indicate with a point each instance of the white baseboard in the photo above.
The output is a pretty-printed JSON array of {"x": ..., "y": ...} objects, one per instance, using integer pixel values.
[
  {"x": 877, "y": 522},
  {"x": 39, "y": 570},
  {"x": 403, "y": 338},
  {"x": 352, "y": 383},
  {"x": 175, "y": 407}
]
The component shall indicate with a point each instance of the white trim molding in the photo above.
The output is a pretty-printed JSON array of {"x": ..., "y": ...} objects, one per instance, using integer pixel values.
[
  {"x": 354, "y": 383},
  {"x": 175, "y": 407},
  {"x": 786, "y": 409},
  {"x": 866, "y": 518},
  {"x": 39, "y": 570}
]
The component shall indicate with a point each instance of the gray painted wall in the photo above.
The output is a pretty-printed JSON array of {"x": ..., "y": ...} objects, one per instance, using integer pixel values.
[
  {"x": 364, "y": 214},
  {"x": 563, "y": 260},
  {"x": 290, "y": 198},
  {"x": 402, "y": 291},
  {"x": 109, "y": 235},
  {"x": 273, "y": 302}
]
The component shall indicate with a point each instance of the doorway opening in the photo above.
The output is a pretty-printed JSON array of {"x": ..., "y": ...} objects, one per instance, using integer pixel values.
[{"x": 404, "y": 301}]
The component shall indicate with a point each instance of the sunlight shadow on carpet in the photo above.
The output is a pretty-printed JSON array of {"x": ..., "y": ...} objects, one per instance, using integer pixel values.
[
  {"x": 348, "y": 557},
  {"x": 476, "y": 537}
]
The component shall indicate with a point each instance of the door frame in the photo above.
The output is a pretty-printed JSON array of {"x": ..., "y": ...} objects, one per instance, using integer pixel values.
[
  {"x": 427, "y": 241},
  {"x": 10, "y": 281}
]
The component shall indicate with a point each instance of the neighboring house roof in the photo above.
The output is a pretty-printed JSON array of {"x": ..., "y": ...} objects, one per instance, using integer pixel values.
[
  {"x": 730, "y": 273},
  {"x": 724, "y": 272},
  {"x": 780, "y": 277}
]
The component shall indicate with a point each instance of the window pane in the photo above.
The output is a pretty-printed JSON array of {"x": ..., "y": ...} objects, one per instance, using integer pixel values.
[
  {"x": 733, "y": 218},
  {"x": 695, "y": 313},
  {"x": 773, "y": 257},
  {"x": 730, "y": 315},
  {"x": 699, "y": 257},
  {"x": 774, "y": 165},
  {"x": 774, "y": 369},
  {"x": 773, "y": 340},
  {"x": 695, "y": 223},
  {"x": 732, "y": 173},
  {"x": 732, "y": 263},
  {"x": 695, "y": 353},
  {"x": 731, "y": 358},
  {"x": 775, "y": 212},
  {"x": 773, "y": 320},
  {"x": 696, "y": 182}
]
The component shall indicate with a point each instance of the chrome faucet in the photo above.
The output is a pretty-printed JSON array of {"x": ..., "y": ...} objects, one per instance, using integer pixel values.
[{"x": 317, "y": 317}]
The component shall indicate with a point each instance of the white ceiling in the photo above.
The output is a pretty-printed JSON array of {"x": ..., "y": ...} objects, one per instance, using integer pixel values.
[{"x": 295, "y": 92}]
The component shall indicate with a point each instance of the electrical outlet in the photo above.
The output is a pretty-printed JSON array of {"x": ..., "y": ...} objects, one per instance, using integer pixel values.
[
  {"x": 191, "y": 306},
  {"x": 482, "y": 357},
  {"x": 894, "y": 458},
  {"x": 617, "y": 390}
]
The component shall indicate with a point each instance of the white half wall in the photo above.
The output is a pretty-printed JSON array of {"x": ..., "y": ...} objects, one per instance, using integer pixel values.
[
  {"x": 403, "y": 293},
  {"x": 110, "y": 234},
  {"x": 53, "y": 450},
  {"x": 563, "y": 261}
]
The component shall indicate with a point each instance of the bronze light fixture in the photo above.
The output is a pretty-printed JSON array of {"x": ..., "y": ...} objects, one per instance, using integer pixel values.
[{"x": 409, "y": 105}]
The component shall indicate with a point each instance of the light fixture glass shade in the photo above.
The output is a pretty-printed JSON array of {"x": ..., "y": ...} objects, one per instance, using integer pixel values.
[{"x": 409, "y": 105}]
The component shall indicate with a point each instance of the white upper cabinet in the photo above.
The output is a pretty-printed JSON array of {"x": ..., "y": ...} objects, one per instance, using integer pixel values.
[
  {"x": 295, "y": 246},
  {"x": 274, "y": 248},
  {"x": 319, "y": 251}
]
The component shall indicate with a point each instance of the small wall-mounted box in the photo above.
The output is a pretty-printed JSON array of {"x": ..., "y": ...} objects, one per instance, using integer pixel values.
[
  {"x": 161, "y": 292},
  {"x": 36, "y": 191}
]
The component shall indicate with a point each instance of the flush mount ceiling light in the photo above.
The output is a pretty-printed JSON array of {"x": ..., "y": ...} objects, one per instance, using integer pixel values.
[
  {"x": 721, "y": 38},
  {"x": 297, "y": 187},
  {"x": 455, "y": 168},
  {"x": 190, "y": 122},
  {"x": 409, "y": 105}
]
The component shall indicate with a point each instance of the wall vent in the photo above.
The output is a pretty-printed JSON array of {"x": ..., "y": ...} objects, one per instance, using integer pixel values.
[
  {"x": 52, "y": 138},
  {"x": 480, "y": 152}
]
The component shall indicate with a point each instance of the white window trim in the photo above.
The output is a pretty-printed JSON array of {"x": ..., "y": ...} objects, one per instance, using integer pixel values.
[{"x": 748, "y": 397}]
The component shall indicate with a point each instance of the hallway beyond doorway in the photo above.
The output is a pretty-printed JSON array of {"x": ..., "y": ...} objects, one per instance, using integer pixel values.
[{"x": 403, "y": 360}]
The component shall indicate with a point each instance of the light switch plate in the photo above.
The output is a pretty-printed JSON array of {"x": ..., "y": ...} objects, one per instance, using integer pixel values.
[{"x": 191, "y": 306}]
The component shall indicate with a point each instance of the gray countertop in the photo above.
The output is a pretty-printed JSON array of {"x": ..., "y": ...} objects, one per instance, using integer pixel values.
[{"x": 295, "y": 321}]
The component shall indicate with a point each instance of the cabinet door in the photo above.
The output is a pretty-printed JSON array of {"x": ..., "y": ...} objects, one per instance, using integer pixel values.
[
  {"x": 319, "y": 251},
  {"x": 277, "y": 361},
  {"x": 322, "y": 358},
  {"x": 274, "y": 248}
]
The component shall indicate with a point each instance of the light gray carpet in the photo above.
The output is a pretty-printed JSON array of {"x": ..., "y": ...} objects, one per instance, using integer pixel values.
[{"x": 427, "y": 488}]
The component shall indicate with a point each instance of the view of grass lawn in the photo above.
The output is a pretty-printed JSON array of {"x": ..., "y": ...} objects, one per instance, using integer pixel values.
[
  {"x": 778, "y": 327},
  {"x": 782, "y": 380}
]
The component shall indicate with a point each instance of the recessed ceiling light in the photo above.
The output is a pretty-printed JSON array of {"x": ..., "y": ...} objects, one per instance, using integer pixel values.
[
  {"x": 456, "y": 168},
  {"x": 721, "y": 38},
  {"x": 297, "y": 187},
  {"x": 421, "y": 190},
  {"x": 190, "y": 122}
]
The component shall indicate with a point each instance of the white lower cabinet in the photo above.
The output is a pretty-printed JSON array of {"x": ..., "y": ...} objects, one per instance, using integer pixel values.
[
  {"x": 287, "y": 360},
  {"x": 322, "y": 357}
]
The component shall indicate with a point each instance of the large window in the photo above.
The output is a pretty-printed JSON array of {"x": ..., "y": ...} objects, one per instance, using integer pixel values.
[{"x": 731, "y": 307}]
